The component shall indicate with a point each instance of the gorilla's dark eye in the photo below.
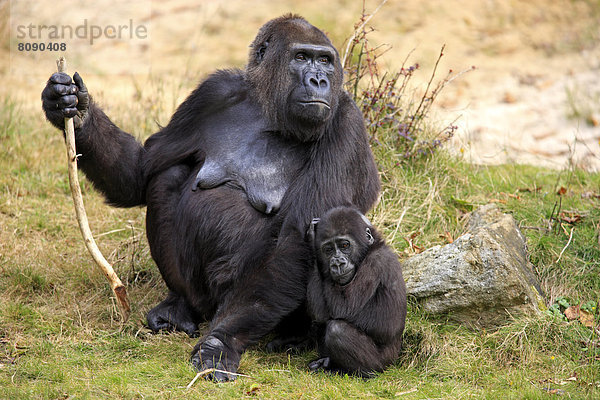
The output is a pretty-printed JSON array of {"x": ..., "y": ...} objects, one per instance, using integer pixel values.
[
  {"x": 345, "y": 245},
  {"x": 324, "y": 60},
  {"x": 327, "y": 248},
  {"x": 301, "y": 57}
]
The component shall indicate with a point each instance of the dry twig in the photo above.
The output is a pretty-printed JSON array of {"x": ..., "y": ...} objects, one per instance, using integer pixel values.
[
  {"x": 367, "y": 18},
  {"x": 567, "y": 245},
  {"x": 84, "y": 226},
  {"x": 209, "y": 371}
]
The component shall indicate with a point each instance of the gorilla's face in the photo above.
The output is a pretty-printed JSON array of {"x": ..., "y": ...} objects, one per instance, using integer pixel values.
[
  {"x": 337, "y": 255},
  {"x": 296, "y": 76},
  {"x": 311, "y": 96},
  {"x": 341, "y": 239}
]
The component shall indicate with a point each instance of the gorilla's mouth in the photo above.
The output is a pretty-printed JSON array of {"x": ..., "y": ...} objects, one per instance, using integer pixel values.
[
  {"x": 343, "y": 278},
  {"x": 321, "y": 103}
]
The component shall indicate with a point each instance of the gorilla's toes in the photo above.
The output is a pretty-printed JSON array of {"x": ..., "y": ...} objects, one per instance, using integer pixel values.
[
  {"x": 321, "y": 363},
  {"x": 164, "y": 318},
  {"x": 293, "y": 345},
  {"x": 190, "y": 328},
  {"x": 157, "y": 324}
]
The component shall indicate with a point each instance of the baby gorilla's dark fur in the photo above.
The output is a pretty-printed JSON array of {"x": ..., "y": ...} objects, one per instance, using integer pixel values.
[{"x": 356, "y": 295}]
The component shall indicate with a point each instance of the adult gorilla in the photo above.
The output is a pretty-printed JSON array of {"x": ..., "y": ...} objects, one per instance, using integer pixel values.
[{"x": 232, "y": 182}]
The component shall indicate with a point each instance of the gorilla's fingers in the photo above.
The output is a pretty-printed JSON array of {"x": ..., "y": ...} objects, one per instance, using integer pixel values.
[
  {"x": 79, "y": 82},
  {"x": 82, "y": 94},
  {"x": 212, "y": 355},
  {"x": 61, "y": 78},
  {"x": 69, "y": 112},
  {"x": 62, "y": 90},
  {"x": 48, "y": 94},
  {"x": 68, "y": 101},
  {"x": 219, "y": 371}
]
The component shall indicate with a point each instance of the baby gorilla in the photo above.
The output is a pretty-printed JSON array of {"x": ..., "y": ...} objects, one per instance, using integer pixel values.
[{"x": 356, "y": 295}]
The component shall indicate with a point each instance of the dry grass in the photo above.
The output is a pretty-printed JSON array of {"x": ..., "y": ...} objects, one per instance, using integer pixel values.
[{"x": 59, "y": 331}]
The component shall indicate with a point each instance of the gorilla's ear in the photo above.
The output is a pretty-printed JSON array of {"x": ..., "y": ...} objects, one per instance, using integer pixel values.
[
  {"x": 312, "y": 228},
  {"x": 370, "y": 237},
  {"x": 260, "y": 53}
]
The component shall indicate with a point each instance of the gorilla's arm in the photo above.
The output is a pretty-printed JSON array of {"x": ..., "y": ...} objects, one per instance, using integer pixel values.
[
  {"x": 183, "y": 137},
  {"x": 111, "y": 159},
  {"x": 383, "y": 314},
  {"x": 114, "y": 160},
  {"x": 315, "y": 298}
]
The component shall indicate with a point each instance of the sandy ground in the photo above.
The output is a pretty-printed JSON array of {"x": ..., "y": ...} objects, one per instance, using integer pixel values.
[{"x": 533, "y": 98}]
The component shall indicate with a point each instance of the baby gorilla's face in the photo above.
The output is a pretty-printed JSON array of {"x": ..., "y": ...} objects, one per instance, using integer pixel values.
[{"x": 336, "y": 254}]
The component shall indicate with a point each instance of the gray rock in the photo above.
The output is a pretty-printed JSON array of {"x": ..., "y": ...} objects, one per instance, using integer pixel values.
[{"x": 481, "y": 278}]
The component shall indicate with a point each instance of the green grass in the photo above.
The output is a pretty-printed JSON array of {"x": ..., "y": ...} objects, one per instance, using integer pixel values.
[{"x": 59, "y": 331}]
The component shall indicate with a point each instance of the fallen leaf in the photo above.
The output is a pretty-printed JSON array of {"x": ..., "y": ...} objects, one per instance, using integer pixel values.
[
  {"x": 498, "y": 201},
  {"x": 514, "y": 196},
  {"x": 569, "y": 218},
  {"x": 417, "y": 249},
  {"x": 536, "y": 189},
  {"x": 572, "y": 313},
  {"x": 586, "y": 318},
  {"x": 448, "y": 237}
]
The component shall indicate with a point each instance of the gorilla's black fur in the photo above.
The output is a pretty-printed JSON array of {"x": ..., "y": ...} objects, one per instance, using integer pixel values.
[
  {"x": 232, "y": 181},
  {"x": 356, "y": 295}
]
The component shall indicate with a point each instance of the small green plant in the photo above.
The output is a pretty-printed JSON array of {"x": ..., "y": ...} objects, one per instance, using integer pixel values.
[
  {"x": 557, "y": 309},
  {"x": 589, "y": 306}
]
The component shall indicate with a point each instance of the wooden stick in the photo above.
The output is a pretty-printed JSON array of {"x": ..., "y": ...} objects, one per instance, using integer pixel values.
[
  {"x": 567, "y": 245},
  {"x": 84, "y": 226}
]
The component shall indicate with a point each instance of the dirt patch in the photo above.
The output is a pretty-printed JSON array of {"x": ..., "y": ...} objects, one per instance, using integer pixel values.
[{"x": 534, "y": 97}]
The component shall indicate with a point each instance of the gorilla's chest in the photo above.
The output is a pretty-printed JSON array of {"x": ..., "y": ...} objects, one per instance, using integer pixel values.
[{"x": 242, "y": 153}]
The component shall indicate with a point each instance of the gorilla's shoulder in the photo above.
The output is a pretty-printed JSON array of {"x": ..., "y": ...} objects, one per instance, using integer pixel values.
[
  {"x": 226, "y": 85},
  {"x": 346, "y": 101},
  {"x": 348, "y": 114}
]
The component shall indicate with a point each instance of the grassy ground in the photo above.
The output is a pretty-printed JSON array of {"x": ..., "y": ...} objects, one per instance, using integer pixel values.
[{"x": 60, "y": 336}]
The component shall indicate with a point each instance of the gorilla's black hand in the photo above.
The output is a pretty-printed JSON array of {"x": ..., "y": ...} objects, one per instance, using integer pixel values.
[
  {"x": 310, "y": 232},
  {"x": 211, "y": 353},
  {"x": 65, "y": 98}
]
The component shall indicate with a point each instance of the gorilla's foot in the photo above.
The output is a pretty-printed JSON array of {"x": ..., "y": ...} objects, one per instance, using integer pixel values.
[
  {"x": 320, "y": 364},
  {"x": 290, "y": 344},
  {"x": 173, "y": 314},
  {"x": 211, "y": 353}
]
